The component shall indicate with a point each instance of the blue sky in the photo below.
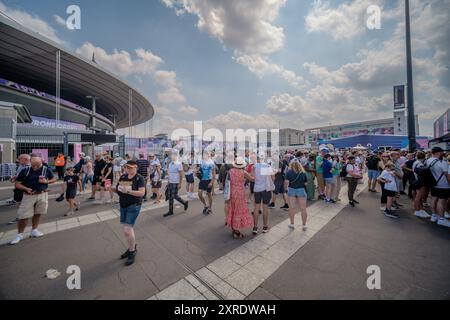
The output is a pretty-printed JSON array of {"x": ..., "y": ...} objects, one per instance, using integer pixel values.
[{"x": 258, "y": 63}]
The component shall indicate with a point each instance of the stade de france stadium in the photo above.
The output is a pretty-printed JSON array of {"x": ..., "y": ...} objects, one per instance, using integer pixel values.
[{"x": 36, "y": 73}]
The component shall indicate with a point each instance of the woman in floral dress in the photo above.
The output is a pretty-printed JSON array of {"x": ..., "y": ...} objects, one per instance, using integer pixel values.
[{"x": 238, "y": 216}]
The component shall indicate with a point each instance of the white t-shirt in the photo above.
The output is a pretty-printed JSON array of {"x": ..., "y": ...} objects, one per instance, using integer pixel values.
[
  {"x": 352, "y": 168},
  {"x": 438, "y": 170},
  {"x": 261, "y": 170},
  {"x": 174, "y": 171},
  {"x": 389, "y": 176}
]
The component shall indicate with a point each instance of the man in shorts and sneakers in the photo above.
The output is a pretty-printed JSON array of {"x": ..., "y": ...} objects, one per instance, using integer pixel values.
[
  {"x": 261, "y": 173},
  {"x": 440, "y": 193},
  {"x": 34, "y": 181},
  {"x": 207, "y": 175}
]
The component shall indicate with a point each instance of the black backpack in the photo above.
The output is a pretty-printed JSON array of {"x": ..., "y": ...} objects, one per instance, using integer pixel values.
[
  {"x": 344, "y": 173},
  {"x": 425, "y": 176}
]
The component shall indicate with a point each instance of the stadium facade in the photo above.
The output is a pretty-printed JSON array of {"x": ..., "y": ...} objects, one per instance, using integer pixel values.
[{"x": 58, "y": 100}]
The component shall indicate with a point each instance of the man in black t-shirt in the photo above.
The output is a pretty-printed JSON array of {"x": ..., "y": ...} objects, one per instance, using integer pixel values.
[
  {"x": 99, "y": 164},
  {"x": 373, "y": 172},
  {"x": 131, "y": 190}
]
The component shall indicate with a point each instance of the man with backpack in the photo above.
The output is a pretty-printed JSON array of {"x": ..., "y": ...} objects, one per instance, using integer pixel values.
[
  {"x": 372, "y": 167},
  {"x": 34, "y": 182},
  {"x": 440, "y": 187}
]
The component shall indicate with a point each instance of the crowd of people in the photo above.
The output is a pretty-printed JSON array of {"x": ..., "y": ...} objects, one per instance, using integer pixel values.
[{"x": 250, "y": 183}]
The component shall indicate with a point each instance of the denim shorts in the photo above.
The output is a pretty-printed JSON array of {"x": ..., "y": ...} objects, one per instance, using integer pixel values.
[
  {"x": 328, "y": 180},
  {"x": 300, "y": 192},
  {"x": 129, "y": 214},
  {"x": 373, "y": 174}
]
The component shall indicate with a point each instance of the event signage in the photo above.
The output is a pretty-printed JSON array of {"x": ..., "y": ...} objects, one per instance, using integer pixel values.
[
  {"x": 399, "y": 97},
  {"x": 44, "y": 95},
  {"x": 51, "y": 123}
]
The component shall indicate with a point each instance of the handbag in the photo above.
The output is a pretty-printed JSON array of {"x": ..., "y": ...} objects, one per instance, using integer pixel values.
[
  {"x": 227, "y": 188},
  {"x": 270, "y": 186},
  {"x": 60, "y": 198}
]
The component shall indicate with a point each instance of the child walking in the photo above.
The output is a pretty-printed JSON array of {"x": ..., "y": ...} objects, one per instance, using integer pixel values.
[
  {"x": 69, "y": 187},
  {"x": 390, "y": 188}
]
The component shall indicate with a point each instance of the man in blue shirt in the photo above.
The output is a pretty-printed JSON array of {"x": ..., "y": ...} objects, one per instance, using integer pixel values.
[
  {"x": 207, "y": 168},
  {"x": 327, "y": 168},
  {"x": 34, "y": 182}
]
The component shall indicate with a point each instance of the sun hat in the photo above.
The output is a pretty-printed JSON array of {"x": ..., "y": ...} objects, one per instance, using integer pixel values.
[{"x": 239, "y": 163}]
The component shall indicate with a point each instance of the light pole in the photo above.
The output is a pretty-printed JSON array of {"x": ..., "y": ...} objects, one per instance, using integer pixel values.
[{"x": 410, "y": 107}]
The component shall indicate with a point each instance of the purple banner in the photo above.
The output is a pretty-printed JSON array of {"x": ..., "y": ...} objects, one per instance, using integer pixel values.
[{"x": 41, "y": 94}]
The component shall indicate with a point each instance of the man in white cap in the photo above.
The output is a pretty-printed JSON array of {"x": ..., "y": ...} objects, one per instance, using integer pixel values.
[{"x": 117, "y": 168}]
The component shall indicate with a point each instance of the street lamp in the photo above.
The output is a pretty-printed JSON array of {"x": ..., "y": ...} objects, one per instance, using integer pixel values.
[{"x": 410, "y": 107}]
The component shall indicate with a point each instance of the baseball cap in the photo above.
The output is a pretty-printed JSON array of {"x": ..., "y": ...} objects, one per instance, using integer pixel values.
[
  {"x": 131, "y": 163},
  {"x": 437, "y": 149}
]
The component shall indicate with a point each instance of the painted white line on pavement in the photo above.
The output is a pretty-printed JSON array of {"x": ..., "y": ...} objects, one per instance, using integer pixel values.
[
  {"x": 238, "y": 273},
  {"x": 74, "y": 222}
]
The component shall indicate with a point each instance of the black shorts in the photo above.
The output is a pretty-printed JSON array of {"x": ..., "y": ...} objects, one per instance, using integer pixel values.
[
  {"x": 203, "y": 185},
  {"x": 190, "y": 178},
  {"x": 71, "y": 193},
  {"x": 279, "y": 186},
  {"x": 440, "y": 193},
  {"x": 156, "y": 184},
  {"x": 96, "y": 180},
  {"x": 390, "y": 193},
  {"x": 263, "y": 196},
  {"x": 252, "y": 187}
]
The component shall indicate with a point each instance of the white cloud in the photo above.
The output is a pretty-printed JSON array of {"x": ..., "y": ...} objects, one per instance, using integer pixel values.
[
  {"x": 122, "y": 62},
  {"x": 239, "y": 120},
  {"x": 262, "y": 67},
  {"x": 32, "y": 22},
  {"x": 346, "y": 21},
  {"x": 188, "y": 110},
  {"x": 59, "y": 20},
  {"x": 246, "y": 26}
]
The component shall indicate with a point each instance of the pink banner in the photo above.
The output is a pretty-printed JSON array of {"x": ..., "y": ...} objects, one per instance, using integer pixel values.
[
  {"x": 141, "y": 151},
  {"x": 43, "y": 153},
  {"x": 76, "y": 152}
]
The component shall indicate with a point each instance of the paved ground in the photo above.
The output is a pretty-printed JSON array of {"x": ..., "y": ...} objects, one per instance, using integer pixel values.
[
  {"x": 192, "y": 256},
  {"x": 413, "y": 255},
  {"x": 169, "y": 249}
]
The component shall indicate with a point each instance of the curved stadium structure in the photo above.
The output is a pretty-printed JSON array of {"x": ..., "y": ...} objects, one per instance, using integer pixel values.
[{"x": 34, "y": 71}]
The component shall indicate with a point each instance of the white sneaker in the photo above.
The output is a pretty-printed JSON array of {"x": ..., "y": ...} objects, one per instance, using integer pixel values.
[
  {"x": 447, "y": 215},
  {"x": 35, "y": 233},
  {"x": 291, "y": 226},
  {"x": 304, "y": 228},
  {"x": 17, "y": 239},
  {"x": 98, "y": 202},
  {"x": 383, "y": 209},
  {"x": 422, "y": 214},
  {"x": 434, "y": 217},
  {"x": 444, "y": 222}
]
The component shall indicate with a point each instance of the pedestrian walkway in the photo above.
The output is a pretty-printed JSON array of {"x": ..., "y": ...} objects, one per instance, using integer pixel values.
[
  {"x": 413, "y": 256},
  {"x": 237, "y": 274}
]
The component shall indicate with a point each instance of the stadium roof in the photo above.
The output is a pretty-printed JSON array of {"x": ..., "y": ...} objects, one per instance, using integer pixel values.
[{"x": 29, "y": 58}]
